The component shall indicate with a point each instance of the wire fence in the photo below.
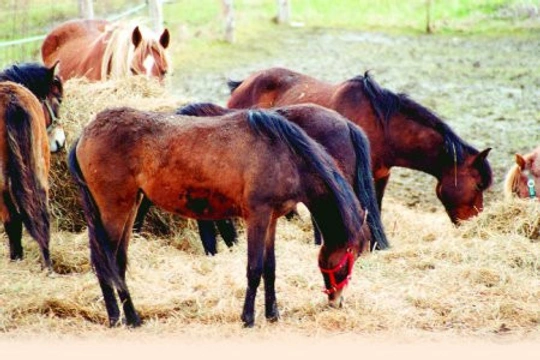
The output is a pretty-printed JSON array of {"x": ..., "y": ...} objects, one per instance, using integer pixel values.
[{"x": 26, "y": 23}]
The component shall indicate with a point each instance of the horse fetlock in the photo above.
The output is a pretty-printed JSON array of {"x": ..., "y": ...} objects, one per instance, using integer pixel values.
[{"x": 272, "y": 313}]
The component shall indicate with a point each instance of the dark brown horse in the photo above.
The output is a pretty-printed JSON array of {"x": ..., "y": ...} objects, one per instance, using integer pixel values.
[
  {"x": 401, "y": 132},
  {"x": 255, "y": 165},
  {"x": 523, "y": 179},
  {"x": 30, "y": 95},
  {"x": 99, "y": 50},
  {"x": 342, "y": 139}
]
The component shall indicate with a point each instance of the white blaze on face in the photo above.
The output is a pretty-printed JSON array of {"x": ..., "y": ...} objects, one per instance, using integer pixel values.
[
  {"x": 148, "y": 65},
  {"x": 57, "y": 139}
]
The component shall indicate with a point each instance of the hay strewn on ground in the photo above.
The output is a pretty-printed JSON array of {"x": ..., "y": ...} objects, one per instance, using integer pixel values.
[
  {"x": 83, "y": 100},
  {"x": 480, "y": 280}
]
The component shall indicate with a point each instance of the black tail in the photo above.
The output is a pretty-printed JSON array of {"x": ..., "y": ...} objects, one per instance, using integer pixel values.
[
  {"x": 29, "y": 193},
  {"x": 364, "y": 188},
  {"x": 103, "y": 259},
  {"x": 277, "y": 128}
]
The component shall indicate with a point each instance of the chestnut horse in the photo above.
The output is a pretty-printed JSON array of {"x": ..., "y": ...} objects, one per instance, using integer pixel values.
[
  {"x": 342, "y": 139},
  {"x": 523, "y": 179},
  {"x": 255, "y": 165},
  {"x": 401, "y": 132},
  {"x": 30, "y": 95},
  {"x": 99, "y": 50}
]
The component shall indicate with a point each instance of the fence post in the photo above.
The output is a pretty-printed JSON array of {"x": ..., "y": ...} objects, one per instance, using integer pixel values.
[
  {"x": 156, "y": 14},
  {"x": 284, "y": 11},
  {"x": 228, "y": 12},
  {"x": 429, "y": 29},
  {"x": 86, "y": 9}
]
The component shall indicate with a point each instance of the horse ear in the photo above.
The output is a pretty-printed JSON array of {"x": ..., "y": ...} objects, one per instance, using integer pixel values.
[
  {"x": 520, "y": 161},
  {"x": 136, "y": 37},
  {"x": 482, "y": 155},
  {"x": 165, "y": 38},
  {"x": 54, "y": 69}
]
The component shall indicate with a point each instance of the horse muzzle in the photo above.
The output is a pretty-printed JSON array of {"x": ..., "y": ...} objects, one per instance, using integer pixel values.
[{"x": 57, "y": 139}]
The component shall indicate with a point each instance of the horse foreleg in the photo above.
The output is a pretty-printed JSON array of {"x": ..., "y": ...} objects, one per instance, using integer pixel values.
[
  {"x": 256, "y": 235},
  {"x": 207, "y": 232},
  {"x": 272, "y": 313},
  {"x": 144, "y": 208},
  {"x": 380, "y": 186},
  {"x": 227, "y": 231},
  {"x": 110, "y": 302}
]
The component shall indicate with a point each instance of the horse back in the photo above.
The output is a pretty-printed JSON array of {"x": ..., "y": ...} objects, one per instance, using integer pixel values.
[
  {"x": 75, "y": 44},
  {"x": 201, "y": 161}
]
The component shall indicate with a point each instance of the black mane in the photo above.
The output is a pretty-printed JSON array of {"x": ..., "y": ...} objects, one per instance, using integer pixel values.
[
  {"x": 386, "y": 104},
  {"x": 35, "y": 77},
  {"x": 233, "y": 85}
]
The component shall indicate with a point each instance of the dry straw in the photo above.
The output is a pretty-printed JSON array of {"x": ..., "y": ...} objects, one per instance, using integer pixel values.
[{"x": 83, "y": 100}]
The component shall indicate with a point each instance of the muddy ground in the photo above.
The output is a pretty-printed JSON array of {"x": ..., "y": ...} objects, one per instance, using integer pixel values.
[{"x": 486, "y": 88}]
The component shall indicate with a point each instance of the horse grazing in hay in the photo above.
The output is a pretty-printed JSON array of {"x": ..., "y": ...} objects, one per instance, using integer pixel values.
[
  {"x": 342, "y": 139},
  {"x": 523, "y": 179},
  {"x": 99, "y": 50},
  {"x": 401, "y": 132},
  {"x": 190, "y": 166},
  {"x": 30, "y": 95}
]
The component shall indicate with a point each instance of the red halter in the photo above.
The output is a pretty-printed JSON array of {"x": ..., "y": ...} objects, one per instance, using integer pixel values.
[{"x": 348, "y": 259}]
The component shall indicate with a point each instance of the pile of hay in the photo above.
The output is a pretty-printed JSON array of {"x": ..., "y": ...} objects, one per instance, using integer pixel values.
[{"x": 82, "y": 101}]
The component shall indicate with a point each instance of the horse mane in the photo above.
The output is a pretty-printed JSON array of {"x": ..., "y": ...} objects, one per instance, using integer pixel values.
[
  {"x": 277, "y": 128},
  {"x": 386, "y": 104},
  {"x": 203, "y": 109},
  {"x": 510, "y": 181},
  {"x": 119, "y": 51},
  {"x": 35, "y": 77}
]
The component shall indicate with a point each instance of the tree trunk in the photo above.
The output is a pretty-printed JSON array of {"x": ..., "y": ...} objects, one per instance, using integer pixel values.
[
  {"x": 228, "y": 12},
  {"x": 86, "y": 9}
]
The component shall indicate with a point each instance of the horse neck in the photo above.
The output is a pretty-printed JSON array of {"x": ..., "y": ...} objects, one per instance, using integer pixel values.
[
  {"x": 336, "y": 229},
  {"x": 416, "y": 146}
]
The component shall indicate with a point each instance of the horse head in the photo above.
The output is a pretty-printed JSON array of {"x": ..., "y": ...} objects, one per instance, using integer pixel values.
[
  {"x": 51, "y": 108},
  {"x": 149, "y": 55},
  {"x": 523, "y": 180},
  {"x": 461, "y": 186}
]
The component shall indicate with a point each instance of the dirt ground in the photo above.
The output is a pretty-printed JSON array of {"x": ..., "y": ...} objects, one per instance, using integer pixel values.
[{"x": 487, "y": 89}]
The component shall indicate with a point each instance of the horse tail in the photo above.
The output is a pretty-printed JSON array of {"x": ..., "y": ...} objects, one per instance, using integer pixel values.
[
  {"x": 510, "y": 181},
  {"x": 102, "y": 256},
  {"x": 29, "y": 189},
  {"x": 364, "y": 188},
  {"x": 277, "y": 128}
]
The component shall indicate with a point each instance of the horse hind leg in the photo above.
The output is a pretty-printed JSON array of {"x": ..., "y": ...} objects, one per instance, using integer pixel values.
[
  {"x": 13, "y": 227},
  {"x": 132, "y": 317}
]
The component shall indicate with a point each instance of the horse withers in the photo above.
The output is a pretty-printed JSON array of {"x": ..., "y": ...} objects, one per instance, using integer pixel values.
[
  {"x": 30, "y": 96},
  {"x": 100, "y": 50},
  {"x": 125, "y": 154},
  {"x": 401, "y": 132},
  {"x": 523, "y": 179}
]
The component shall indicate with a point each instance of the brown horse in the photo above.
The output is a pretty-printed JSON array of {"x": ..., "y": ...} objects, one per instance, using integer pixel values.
[
  {"x": 401, "y": 132},
  {"x": 523, "y": 179},
  {"x": 99, "y": 50},
  {"x": 342, "y": 139},
  {"x": 30, "y": 95},
  {"x": 255, "y": 165}
]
